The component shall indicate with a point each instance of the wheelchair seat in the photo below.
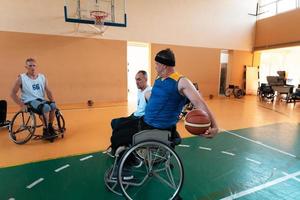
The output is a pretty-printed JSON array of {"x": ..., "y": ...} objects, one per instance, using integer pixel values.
[{"x": 164, "y": 136}]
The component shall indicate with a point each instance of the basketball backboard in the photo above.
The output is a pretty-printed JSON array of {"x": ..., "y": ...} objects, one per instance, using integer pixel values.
[{"x": 94, "y": 12}]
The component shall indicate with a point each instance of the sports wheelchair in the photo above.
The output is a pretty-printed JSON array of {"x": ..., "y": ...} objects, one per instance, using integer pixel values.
[
  {"x": 235, "y": 90},
  {"x": 266, "y": 92},
  {"x": 23, "y": 125},
  {"x": 160, "y": 175}
]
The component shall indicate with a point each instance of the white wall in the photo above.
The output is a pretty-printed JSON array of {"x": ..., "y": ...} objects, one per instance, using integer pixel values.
[{"x": 203, "y": 23}]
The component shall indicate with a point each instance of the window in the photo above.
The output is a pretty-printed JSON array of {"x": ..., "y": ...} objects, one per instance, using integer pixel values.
[
  {"x": 267, "y": 11},
  {"x": 285, "y": 59},
  {"x": 285, "y": 5},
  {"x": 269, "y": 8}
]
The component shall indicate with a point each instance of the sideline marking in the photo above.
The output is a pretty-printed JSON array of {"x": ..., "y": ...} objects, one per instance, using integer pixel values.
[
  {"x": 254, "y": 161},
  {"x": 260, "y": 187},
  {"x": 228, "y": 153},
  {"x": 85, "y": 158},
  {"x": 297, "y": 179},
  {"x": 34, "y": 183},
  {"x": 61, "y": 168},
  {"x": 205, "y": 148},
  {"x": 184, "y": 145},
  {"x": 260, "y": 143}
]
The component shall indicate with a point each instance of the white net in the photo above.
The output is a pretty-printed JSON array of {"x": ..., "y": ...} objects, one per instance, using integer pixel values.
[{"x": 99, "y": 18}]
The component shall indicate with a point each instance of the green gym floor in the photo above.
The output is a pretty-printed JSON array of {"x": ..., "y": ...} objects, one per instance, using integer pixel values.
[{"x": 252, "y": 163}]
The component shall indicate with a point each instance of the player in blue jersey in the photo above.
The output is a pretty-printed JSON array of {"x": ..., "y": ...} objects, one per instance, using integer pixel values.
[{"x": 167, "y": 99}]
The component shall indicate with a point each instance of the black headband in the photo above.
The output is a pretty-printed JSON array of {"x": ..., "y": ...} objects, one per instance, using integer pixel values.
[{"x": 166, "y": 57}]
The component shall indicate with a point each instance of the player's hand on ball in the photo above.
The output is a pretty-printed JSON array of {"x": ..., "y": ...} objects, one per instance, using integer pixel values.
[{"x": 210, "y": 133}]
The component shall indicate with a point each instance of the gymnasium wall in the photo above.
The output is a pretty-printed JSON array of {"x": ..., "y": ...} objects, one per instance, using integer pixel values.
[
  {"x": 278, "y": 31},
  {"x": 201, "y": 65},
  {"x": 77, "y": 68}
]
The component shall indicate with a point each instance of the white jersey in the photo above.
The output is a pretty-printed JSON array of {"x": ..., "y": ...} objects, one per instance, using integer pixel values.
[
  {"x": 141, "y": 102},
  {"x": 32, "y": 88}
]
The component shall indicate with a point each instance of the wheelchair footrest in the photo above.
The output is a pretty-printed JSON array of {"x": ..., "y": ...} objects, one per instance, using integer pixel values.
[{"x": 4, "y": 124}]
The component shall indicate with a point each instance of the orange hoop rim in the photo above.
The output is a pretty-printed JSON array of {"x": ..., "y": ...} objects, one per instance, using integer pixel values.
[{"x": 98, "y": 14}]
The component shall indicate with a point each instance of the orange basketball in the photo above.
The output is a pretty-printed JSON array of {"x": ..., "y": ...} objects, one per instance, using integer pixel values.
[{"x": 197, "y": 122}]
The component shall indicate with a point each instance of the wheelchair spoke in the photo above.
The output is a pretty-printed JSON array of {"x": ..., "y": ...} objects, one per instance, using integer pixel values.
[
  {"x": 28, "y": 118},
  {"x": 140, "y": 188},
  {"x": 115, "y": 185},
  {"x": 21, "y": 129},
  {"x": 170, "y": 175},
  {"x": 149, "y": 158},
  {"x": 173, "y": 186},
  {"x": 160, "y": 156},
  {"x": 168, "y": 171}
]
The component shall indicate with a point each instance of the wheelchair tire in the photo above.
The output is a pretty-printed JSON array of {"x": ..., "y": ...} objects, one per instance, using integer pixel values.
[
  {"x": 228, "y": 92},
  {"x": 238, "y": 93},
  {"x": 22, "y": 127},
  {"x": 164, "y": 179},
  {"x": 59, "y": 123}
]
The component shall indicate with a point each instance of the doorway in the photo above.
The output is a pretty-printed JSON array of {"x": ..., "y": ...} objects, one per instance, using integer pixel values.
[
  {"x": 138, "y": 58},
  {"x": 223, "y": 76}
]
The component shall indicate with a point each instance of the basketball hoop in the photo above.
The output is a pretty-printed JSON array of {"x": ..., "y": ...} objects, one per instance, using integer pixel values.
[{"x": 99, "y": 17}]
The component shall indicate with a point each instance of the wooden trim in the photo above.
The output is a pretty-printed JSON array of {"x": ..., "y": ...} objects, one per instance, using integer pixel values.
[{"x": 279, "y": 45}]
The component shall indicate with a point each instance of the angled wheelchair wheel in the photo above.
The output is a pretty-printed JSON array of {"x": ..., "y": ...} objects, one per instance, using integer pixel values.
[
  {"x": 238, "y": 93},
  {"x": 159, "y": 177},
  {"x": 228, "y": 92},
  {"x": 22, "y": 127},
  {"x": 59, "y": 123}
]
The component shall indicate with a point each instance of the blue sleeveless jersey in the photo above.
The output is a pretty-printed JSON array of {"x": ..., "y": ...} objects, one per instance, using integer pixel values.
[{"x": 165, "y": 103}]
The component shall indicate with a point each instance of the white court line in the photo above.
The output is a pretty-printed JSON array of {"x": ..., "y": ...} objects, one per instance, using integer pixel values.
[
  {"x": 61, "y": 168},
  {"x": 184, "y": 145},
  {"x": 260, "y": 143},
  {"x": 205, "y": 148},
  {"x": 254, "y": 161},
  {"x": 228, "y": 153},
  {"x": 85, "y": 158},
  {"x": 297, "y": 179},
  {"x": 260, "y": 187},
  {"x": 34, "y": 183}
]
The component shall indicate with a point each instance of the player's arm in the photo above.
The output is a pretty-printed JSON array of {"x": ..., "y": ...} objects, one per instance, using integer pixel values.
[
  {"x": 14, "y": 92},
  {"x": 186, "y": 88},
  {"x": 147, "y": 95},
  {"x": 48, "y": 92}
]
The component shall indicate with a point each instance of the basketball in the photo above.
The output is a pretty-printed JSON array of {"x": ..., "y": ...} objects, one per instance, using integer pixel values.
[
  {"x": 90, "y": 103},
  {"x": 197, "y": 122}
]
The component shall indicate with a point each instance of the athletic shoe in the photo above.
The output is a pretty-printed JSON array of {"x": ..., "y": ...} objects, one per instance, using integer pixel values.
[
  {"x": 51, "y": 131},
  {"x": 45, "y": 133},
  {"x": 109, "y": 151}
]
